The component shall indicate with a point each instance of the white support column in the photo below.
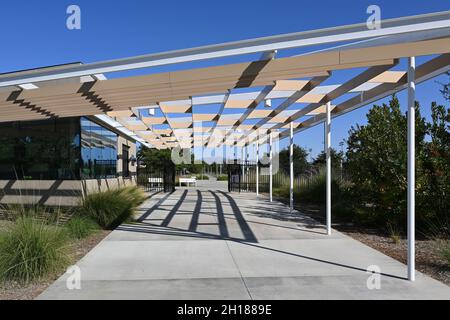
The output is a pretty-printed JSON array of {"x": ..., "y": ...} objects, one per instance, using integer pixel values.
[
  {"x": 257, "y": 168},
  {"x": 247, "y": 166},
  {"x": 328, "y": 155},
  {"x": 291, "y": 167},
  {"x": 270, "y": 166},
  {"x": 411, "y": 167},
  {"x": 242, "y": 161}
]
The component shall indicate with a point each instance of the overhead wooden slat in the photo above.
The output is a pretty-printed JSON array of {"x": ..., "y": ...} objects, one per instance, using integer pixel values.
[
  {"x": 333, "y": 60},
  {"x": 175, "y": 109},
  {"x": 311, "y": 98},
  {"x": 363, "y": 77},
  {"x": 278, "y": 119},
  {"x": 423, "y": 72},
  {"x": 184, "y": 133},
  {"x": 388, "y": 77},
  {"x": 127, "y": 103},
  {"x": 154, "y": 120},
  {"x": 257, "y": 114},
  {"x": 320, "y": 110},
  {"x": 202, "y": 129},
  {"x": 400, "y": 50},
  {"x": 244, "y": 127},
  {"x": 238, "y": 104},
  {"x": 124, "y": 113},
  {"x": 204, "y": 117},
  {"x": 135, "y": 127},
  {"x": 295, "y": 125},
  {"x": 226, "y": 122},
  {"x": 290, "y": 85},
  {"x": 163, "y": 131},
  {"x": 261, "y": 96},
  {"x": 115, "y": 97},
  {"x": 314, "y": 82},
  {"x": 180, "y": 125}
]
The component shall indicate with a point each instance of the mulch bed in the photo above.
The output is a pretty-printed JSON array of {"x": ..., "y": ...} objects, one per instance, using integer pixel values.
[
  {"x": 427, "y": 261},
  {"x": 15, "y": 291}
]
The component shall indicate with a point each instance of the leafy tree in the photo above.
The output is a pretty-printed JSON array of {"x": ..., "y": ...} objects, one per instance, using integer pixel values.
[
  {"x": 436, "y": 165},
  {"x": 153, "y": 158},
  {"x": 446, "y": 89},
  {"x": 300, "y": 160},
  {"x": 336, "y": 159},
  {"x": 376, "y": 160}
]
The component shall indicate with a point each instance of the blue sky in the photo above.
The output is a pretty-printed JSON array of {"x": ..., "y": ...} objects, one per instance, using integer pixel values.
[{"x": 34, "y": 34}]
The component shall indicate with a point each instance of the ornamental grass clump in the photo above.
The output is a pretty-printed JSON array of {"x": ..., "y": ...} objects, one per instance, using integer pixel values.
[
  {"x": 30, "y": 249},
  {"x": 79, "y": 227},
  {"x": 112, "y": 207},
  {"x": 443, "y": 250}
]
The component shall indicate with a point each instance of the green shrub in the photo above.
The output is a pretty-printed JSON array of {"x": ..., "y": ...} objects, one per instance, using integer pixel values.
[
  {"x": 281, "y": 192},
  {"x": 394, "y": 233},
  {"x": 110, "y": 208},
  {"x": 134, "y": 194},
  {"x": 202, "y": 177},
  {"x": 51, "y": 215},
  {"x": 222, "y": 178},
  {"x": 313, "y": 189},
  {"x": 443, "y": 249},
  {"x": 80, "y": 227},
  {"x": 30, "y": 249}
]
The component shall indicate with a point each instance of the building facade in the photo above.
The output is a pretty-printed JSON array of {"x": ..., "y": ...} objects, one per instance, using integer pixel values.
[{"x": 56, "y": 161}]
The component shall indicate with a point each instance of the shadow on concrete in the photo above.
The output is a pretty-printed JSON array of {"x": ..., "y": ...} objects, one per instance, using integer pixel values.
[
  {"x": 143, "y": 224},
  {"x": 146, "y": 224}
]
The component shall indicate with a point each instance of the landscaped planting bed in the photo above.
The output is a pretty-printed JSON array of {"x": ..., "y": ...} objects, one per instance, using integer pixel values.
[{"x": 37, "y": 244}]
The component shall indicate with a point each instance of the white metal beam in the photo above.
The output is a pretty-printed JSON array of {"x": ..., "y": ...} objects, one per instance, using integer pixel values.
[
  {"x": 268, "y": 55},
  {"x": 354, "y": 32}
]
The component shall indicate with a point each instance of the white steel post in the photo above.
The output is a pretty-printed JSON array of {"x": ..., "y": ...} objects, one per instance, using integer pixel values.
[
  {"x": 257, "y": 168},
  {"x": 247, "y": 164},
  {"x": 242, "y": 167},
  {"x": 291, "y": 167},
  {"x": 270, "y": 166},
  {"x": 328, "y": 155},
  {"x": 411, "y": 167}
]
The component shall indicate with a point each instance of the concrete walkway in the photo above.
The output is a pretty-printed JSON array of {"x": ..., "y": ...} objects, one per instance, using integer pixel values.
[{"x": 205, "y": 243}]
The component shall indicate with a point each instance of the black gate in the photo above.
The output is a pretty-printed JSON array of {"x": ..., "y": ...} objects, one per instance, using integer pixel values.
[
  {"x": 242, "y": 177},
  {"x": 234, "y": 177},
  {"x": 161, "y": 178}
]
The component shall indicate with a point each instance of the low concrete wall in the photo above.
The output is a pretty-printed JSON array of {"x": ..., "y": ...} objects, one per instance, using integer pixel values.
[
  {"x": 96, "y": 185},
  {"x": 56, "y": 192}
]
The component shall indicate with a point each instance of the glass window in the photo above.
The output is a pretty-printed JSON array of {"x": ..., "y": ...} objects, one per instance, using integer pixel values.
[
  {"x": 41, "y": 150},
  {"x": 98, "y": 151}
]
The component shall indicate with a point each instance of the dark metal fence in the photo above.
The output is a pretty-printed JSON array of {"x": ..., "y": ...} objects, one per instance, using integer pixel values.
[
  {"x": 242, "y": 177},
  {"x": 157, "y": 178}
]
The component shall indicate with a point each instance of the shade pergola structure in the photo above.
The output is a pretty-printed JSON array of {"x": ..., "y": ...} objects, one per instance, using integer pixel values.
[{"x": 286, "y": 85}]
